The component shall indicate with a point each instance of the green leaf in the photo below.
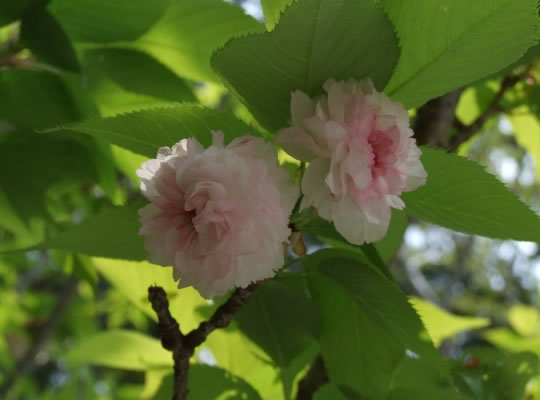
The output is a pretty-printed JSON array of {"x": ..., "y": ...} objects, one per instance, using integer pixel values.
[
  {"x": 448, "y": 44},
  {"x": 206, "y": 382},
  {"x": 44, "y": 36},
  {"x": 490, "y": 373},
  {"x": 133, "y": 279},
  {"x": 190, "y": 31},
  {"x": 425, "y": 393},
  {"x": 462, "y": 196},
  {"x": 104, "y": 21},
  {"x": 272, "y": 10},
  {"x": 440, "y": 324},
  {"x": 112, "y": 233},
  {"x": 25, "y": 186},
  {"x": 241, "y": 357},
  {"x": 526, "y": 127},
  {"x": 509, "y": 340},
  {"x": 121, "y": 349},
  {"x": 281, "y": 321},
  {"x": 368, "y": 326},
  {"x": 329, "y": 392},
  {"x": 369, "y": 253},
  {"x": 36, "y": 99},
  {"x": 315, "y": 40},
  {"x": 144, "y": 132},
  {"x": 13, "y": 10},
  {"x": 524, "y": 319},
  {"x": 134, "y": 71}
]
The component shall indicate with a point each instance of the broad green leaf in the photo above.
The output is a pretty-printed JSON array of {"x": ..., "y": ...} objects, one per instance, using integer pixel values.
[
  {"x": 329, "y": 392},
  {"x": 13, "y": 10},
  {"x": 144, "y": 132},
  {"x": 25, "y": 187},
  {"x": 492, "y": 374},
  {"x": 36, "y": 99},
  {"x": 190, "y": 31},
  {"x": 281, "y": 321},
  {"x": 44, "y": 36},
  {"x": 130, "y": 71},
  {"x": 133, "y": 279},
  {"x": 440, "y": 324},
  {"x": 272, "y": 10},
  {"x": 368, "y": 326},
  {"x": 112, "y": 233},
  {"x": 527, "y": 132},
  {"x": 206, "y": 382},
  {"x": 315, "y": 40},
  {"x": 524, "y": 319},
  {"x": 121, "y": 349},
  {"x": 128, "y": 162},
  {"x": 509, "y": 340},
  {"x": 425, "y": 393},
  {"x": 448, "y": 44},
  {"x": 371, "y": 253},
  {"x": 241, "y": 357},
  {"x": 104, "y": 21},
  {"x": 462, "y": 196}
]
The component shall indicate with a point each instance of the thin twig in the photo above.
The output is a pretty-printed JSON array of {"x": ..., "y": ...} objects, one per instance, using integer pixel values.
[
  {"x": 26, "y": 363},
  {"x": 183, "y": 346},
  {"x": 464, "y": 132}
]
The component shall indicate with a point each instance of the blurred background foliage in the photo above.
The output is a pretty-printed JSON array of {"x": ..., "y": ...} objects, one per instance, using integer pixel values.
[{"x": 75, "y": 327}]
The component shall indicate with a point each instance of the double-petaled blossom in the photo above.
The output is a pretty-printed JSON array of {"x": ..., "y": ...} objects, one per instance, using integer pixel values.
[
  {"x": 361, "y": 156},
  {"x": 219, "y": 215}
]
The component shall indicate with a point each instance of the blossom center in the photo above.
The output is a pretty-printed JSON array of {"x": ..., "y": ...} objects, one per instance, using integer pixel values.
[{"x": 381, "y": 147}]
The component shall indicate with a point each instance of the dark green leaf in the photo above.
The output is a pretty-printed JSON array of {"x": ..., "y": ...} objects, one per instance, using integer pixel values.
[
  {"x": 136, "y": 72},
  {"x": 190, "y": 31},
  {"x": 144, "y": 132},
  {"x": 461, "y": 195},
  {"x": 447, "y": 44},
  {"x": 281, "y": 321},
  {"x": 368, "y": 326},
  {"x": 36, "y": 99},
  {"x": 112, "y": 233},
  {"x": 44, "y": 36},
  {"x": 329, "y": 392},
  {"x": 206, "y": 383},
  {"x": 13, "y": 10},
  {"x": 103, "y": 21},
  {"x": 315, "y": 40}
]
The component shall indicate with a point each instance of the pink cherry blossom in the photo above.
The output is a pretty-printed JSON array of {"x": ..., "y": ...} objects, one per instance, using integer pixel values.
[
  {"x": 361, "y": 156},
  {"x": 218, "y": 215}
]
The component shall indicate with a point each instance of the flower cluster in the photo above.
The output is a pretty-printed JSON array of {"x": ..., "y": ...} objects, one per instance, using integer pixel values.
[{"x": 220, "y": 215}]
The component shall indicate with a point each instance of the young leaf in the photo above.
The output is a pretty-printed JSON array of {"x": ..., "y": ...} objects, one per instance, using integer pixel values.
[
  {"x": 149, "y": 77},
  {"x": 272, "y": 10},
  {"x": 462, "y": 196},
  {"x": 368, "y": 326},
  {"x": 112, "y": 233},
  {"x": 281, "y": 321},
  {"x": 314, "y": 40},
  {"x": 144, "y": 132},
  {"x": 190, "y": 31},
  {"x": 121, "y": 349},
  {"x": 440, "y": 324},
  {"x": 44, "y": 36},
  {"x": 448, "y": 44},
  {"x": 107, "y": 21}
]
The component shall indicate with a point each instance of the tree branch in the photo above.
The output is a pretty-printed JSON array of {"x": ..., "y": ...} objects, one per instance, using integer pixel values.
[
  {"x": 435, "y": 118},
  {"x": 467, "y": 131},
  {"x": 183, "y": 346},
  {"x": 313, "y": 380}
]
